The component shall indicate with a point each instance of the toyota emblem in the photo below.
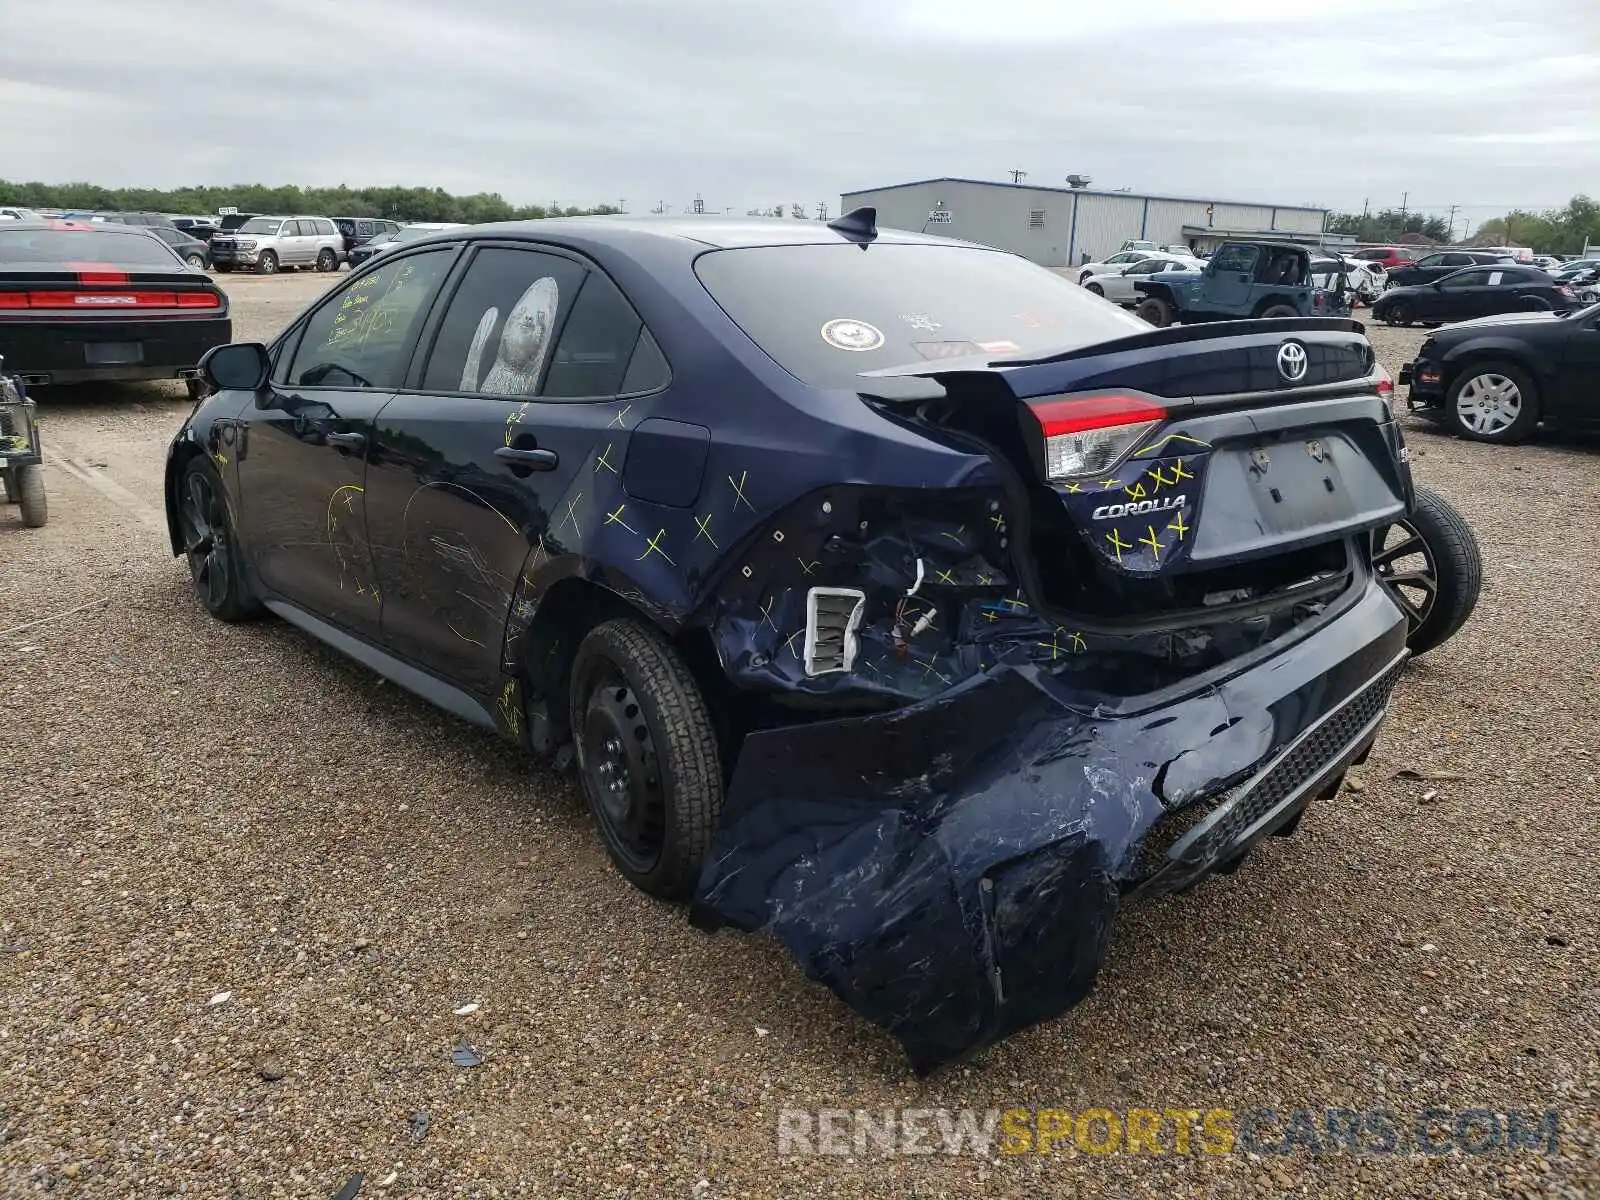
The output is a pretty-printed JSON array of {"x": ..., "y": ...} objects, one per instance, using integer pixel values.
[{"x": 1292, "y": 362}]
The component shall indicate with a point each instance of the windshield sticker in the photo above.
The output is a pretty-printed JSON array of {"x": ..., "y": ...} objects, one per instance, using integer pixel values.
[
  {"x": 921, "y": 322},
  {"x": 999, "y": 347},
  {"x": 843, "y": 333},
  {"x": 945, "y": 349}
]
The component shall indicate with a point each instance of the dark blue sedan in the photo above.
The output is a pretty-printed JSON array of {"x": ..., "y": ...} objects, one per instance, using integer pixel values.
[{"x": 891, "y": 593}]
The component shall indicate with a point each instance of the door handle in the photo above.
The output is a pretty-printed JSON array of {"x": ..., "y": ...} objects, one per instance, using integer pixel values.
[
  {"x": 537, "y": 460},
  {"x": 354, "y": 443}
]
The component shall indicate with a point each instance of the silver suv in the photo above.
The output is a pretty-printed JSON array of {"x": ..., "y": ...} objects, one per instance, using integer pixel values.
[{"x": 268, "y": 243}]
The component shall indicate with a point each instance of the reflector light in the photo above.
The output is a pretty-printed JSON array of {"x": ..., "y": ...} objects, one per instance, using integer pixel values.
[{"x": 1090, "y": 434}]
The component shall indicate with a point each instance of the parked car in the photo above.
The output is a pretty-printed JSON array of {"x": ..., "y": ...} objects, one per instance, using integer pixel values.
[
  {"x": 268, "y": 243},
  {"x": 1117, "y": 285},
  {"x": 1140, "y": 244},
  {"x": 1576, "y": 266},
  {"x": 835, "y": 553},
  {"x": 196, "y": 227},
  {"x": 82, "y": 303},
  {"x": 358, "y": 231},
  {"x": 1444, "y": 262},
  {"x": 1242, "y": 279},
  {"x": 1364, "y": 279},
  {"x": 146, "y": 219},
  {"x": 1475, "y": 292},
  {"x": 367, "y": 251},
  {"x": 191, "y": 249},
  {"x": 1496, "y": 379},
  {"x": 13, "y": 213},
  {"x": 231, "y": 222},
  {"x": 1122, "y": 258},
  {"x": 1387, "y": 257},
  {"x": 1547, "y": 262}
]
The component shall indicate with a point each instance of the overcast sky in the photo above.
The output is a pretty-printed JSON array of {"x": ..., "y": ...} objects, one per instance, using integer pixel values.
[{"x": 1481, "y": 103}]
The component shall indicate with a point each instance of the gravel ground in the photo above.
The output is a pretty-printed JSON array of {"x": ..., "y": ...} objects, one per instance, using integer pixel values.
[{"x": 245, "y": 888}]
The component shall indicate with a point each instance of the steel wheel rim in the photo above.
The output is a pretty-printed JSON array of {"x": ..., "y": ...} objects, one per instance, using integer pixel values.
[
  {"x": 1405, "y": 566},
  {"x": 197, "y": 262},
  {"x": 205, "y": 536},
  {"x": 623, "y": 773},
  {"x": 1489, "y": 403}
]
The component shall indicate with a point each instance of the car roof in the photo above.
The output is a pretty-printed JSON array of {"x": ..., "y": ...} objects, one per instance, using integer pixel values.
[
  {"x": 716, "y": 232},
  {"x": 73, "y": 225}
]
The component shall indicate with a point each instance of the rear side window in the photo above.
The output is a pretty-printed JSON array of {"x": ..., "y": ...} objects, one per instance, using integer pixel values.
[
  {"x": 360, "y": 337},
  {"x": 55, "y": 248},
  {"x": 828, "y": 312},
  {"x": 496, "y": 336},
  {"x": 596, "y": 343},
  {"x": 363, "y": 228}
]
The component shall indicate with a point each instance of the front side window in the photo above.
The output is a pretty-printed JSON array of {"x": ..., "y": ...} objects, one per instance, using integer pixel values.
[
  {"x": 498, "y": 332},
  {"x": 262, "y": 226},
  {"x": 362, "y": 336},
  {"x": 1235, "y": 258},
  {"x": 828, "y": 312}
]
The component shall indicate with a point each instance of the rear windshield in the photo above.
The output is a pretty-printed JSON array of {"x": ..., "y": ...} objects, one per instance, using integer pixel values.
[
  {"x": 826, "y": 313},
  {"x": 60, "y": 247}
]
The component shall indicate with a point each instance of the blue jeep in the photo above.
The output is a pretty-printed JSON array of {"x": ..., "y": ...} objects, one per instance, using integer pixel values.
[{"x": 1241, "y": 280}]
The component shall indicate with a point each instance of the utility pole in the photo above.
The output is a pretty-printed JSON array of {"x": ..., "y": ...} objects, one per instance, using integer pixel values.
[
  {"x": 1017, "y": 176},
  {"x": 1405, "y": 198},
  {"x": 1450, "y": 226},
  {"x": 699, "y": 205},
  {"x": 1364, "y": 207}
]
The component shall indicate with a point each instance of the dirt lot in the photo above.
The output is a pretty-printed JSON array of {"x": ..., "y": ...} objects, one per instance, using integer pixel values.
[{"x": 244, "y": 886}]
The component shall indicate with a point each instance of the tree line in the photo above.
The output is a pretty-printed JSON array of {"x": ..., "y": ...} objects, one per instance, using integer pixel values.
[
  {"x": 395, "y": 203},
  {"x": 1565, "y": 230}
]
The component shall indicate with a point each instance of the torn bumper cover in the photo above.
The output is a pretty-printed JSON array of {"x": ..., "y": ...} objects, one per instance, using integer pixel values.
[{"x": 951, "y": 869}]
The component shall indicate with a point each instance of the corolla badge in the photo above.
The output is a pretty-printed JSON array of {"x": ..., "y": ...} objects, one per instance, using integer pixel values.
[{"x": 1292, "y": 362}]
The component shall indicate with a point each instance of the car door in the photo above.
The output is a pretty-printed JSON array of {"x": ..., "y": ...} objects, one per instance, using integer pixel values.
[
  {"x": 1453, "y": 298},
  {"x": 302, "y": 465},
  {"x": 1576, "y": 396},
  {"x": 1120, "y": 287},
  {"x": 1230, "y": 275},
  {"x": 512, "y": 433}
]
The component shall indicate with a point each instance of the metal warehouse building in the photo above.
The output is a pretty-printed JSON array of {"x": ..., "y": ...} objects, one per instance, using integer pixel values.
[{"x": 1061, "y": 227}]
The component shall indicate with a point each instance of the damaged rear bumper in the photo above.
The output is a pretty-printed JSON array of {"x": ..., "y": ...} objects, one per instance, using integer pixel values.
[{"x": 951, "y": 869}]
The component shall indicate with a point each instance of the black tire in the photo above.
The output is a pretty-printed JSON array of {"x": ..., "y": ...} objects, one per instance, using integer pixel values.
[
  {"x": 1439, "y": 591},
  {"x": 1275, "y": 312},
  {"x": 222, "y": 268},
  {"x": 267, "y": 264},
  {"x": 327, "y": 261},
  {"x": 1156, "y": 311},
  {"x": 1467, "y": 389},
  {"x": 647, "y": 756},
  {"x": 1398, "y": 313},
  {"x": 30, "y": 495},
  {"x": 1533, "y": 304},
  {"x": 197, "y": 261},
  {"x": 211, "y": 548},
  {"x": 1095, "y": 288}
]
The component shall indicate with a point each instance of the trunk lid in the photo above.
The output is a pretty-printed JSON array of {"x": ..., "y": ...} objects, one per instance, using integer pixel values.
[{"x": 1192, "y": 467}]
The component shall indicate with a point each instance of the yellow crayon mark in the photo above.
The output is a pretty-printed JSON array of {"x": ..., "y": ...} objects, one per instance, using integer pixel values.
[
  {"x": 616, "y": 421},
  {"x": 1109, "y": 484},
  {"x": 1150, "y": 540},
  {"x": 738, "y": 491},
  {"x": 946, "y": 577},
  {"x": 703, "y": 524},
  {"x": 605, "y": 460},
  {"x": 1136, "y": 492},
  {"x": 1117, "y": 544},
  {"x": 1178, "y": 472},
  {"x": 1175, "y": 437},
  {"x": 653, "y": 546},
  {"x": 615, "y": 518},
  {"x": 1178, "y": 527}
]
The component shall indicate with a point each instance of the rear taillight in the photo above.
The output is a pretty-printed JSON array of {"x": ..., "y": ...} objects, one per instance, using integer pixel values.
[
  {"x": 1087, "y": 435},
  {"x": 1385, "y": 388},
  {"x": 101, "y": 301}
]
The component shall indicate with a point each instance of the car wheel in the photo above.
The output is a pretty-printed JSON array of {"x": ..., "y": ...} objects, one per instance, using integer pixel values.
[
  {"x": 1156, "y": 311},
  {"x": 1398, "y": 314},
  {"x": 1430, "y": 565},
  {"x": 1277, "y": 312},
  {"x": 209, "y": 544},
  {"x": 327, "y": 261},
  {"x": 196, "y": 261},
  {"x": 30, "y": 495},
  {"x": 647, "y": 755},
  {"x": 1533, "y": 304},
  {"x": 1096, "y": 289},
  {"x": 1493, "y": 402},
  {"x": 267, "y": 264}
]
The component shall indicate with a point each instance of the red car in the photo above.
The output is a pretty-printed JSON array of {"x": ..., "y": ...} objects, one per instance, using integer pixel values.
[{"x": 1389, "y": 257}]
